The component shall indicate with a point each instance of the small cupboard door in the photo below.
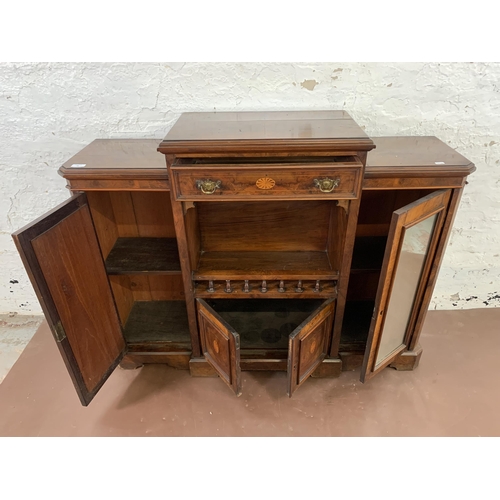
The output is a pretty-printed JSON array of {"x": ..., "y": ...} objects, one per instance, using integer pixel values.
[
  {"x": 411, "y": 246},
  {"x": 220, "y": 345},
  {"x": 63, "y": 260},
  {"x": 308, "y": 345}
]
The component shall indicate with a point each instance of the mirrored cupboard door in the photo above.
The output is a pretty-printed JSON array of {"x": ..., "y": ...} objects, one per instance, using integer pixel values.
[{"x": 411, "y": 246}]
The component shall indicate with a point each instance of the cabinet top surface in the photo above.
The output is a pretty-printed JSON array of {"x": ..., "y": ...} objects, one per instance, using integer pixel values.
[
  {"x": 195, "y": 132},
  {"x": 393, "y": 158},
  {"x": 104, "y": 154},
  {"x": 414, "y": 151},
  {"x": 141, "y": 154}
]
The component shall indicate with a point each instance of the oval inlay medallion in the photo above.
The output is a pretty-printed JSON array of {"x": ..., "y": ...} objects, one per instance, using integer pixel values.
[
  {"x": 216, "y": 346},
  {"x": 265, "y": 183},
  {"x": 313, "y": 347}
]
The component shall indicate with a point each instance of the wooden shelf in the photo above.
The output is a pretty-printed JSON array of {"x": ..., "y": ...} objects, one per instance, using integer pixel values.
[
  {"x": 264, "y": 265},
  {"x": 158, "y": 325},
  {"x": 368, "y": 253},
  {"x": 144, "y": 256}
]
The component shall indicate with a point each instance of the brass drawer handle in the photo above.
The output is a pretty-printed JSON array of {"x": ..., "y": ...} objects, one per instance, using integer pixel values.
[
  {"x": 208, "y": 186},
  {"x": 326, "y": 185}
]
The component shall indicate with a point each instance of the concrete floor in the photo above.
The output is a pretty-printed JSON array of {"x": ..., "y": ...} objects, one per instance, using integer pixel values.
[
  {"x": 454, "y": 392},
  {"x": 15, "y": 333}
]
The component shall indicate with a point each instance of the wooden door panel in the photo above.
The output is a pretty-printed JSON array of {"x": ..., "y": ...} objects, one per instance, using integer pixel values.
[
  {"x": 62, "y": 256},
  {"x": 308, "y": 345},
  {"x": 411, "y": 244},
  {"x": 220, "y": 345}
]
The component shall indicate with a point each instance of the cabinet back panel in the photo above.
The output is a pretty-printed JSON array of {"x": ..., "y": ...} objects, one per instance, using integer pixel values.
[
  {"x": 103, "y": 217},
  {"x": 356, "y": 325},
  {"x": 153, "y": 214},
  {"x": 123, "y": 210},
  {"x": 375, "y": 212},
  {"x": 124, "y": 298},
  {"x": 363, "y": 286},
  {"x": 129, "y": 289},
  {"x": 157, "y": 287},
  {"x": 270, "y": 226},
  {"x": 130, "y": 214}
]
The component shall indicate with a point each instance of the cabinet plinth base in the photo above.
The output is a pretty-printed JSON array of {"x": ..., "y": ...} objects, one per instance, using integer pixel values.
[
  {"x": 329, "y": 368},
  {"x": 129, "y": 363},
  {"x": 407, "y": 360},
  {"x": 179, "y": 360},
  {"x": 351, "y": 360},
  {"x": 200, "y": 367}
]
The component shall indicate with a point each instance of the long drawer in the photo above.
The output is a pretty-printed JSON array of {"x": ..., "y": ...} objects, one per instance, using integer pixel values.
[{"x": 233, "y": 182}]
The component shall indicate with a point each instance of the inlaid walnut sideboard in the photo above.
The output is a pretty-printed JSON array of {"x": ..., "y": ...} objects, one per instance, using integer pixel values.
[{"x": 285, "y": 241}]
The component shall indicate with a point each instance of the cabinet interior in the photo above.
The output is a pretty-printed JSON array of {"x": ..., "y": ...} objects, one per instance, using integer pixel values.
[
  {"x": 278, "y": 240},
  {"x": 374, "y": 220},
  {"x": 136, "y": 235},
  {"x": 264, "y": 324},
  {"x": 296, "y": 240}
]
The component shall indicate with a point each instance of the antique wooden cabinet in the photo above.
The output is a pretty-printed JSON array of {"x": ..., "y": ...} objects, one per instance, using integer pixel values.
[{"x": 246, "y": 241}]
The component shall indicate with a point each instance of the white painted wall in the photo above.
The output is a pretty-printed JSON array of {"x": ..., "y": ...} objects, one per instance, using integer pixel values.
[{"x": 48, "y": 112}]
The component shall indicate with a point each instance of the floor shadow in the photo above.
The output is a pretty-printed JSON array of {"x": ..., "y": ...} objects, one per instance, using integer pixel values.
[
  {"x": 273, "y": 384},
  {"x": 151, "y": 381}
]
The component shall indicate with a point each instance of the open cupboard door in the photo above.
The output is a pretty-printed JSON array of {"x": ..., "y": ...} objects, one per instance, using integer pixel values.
[
  {"x": 63, "y": 260},
  {"x": 308, "y": 345},
  {"x": 411, "y": 246},
  {"x": 220, "y": 345}
]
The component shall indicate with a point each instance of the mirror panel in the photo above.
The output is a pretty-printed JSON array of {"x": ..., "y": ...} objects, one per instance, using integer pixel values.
[{"x": 413, "y": 253}]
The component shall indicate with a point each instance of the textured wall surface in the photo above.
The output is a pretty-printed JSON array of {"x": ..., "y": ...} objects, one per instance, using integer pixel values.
[{"x": 48, "y": 112}]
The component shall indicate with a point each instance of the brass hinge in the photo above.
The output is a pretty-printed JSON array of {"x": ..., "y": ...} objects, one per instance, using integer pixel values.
[{"x": 59, "y": 332}]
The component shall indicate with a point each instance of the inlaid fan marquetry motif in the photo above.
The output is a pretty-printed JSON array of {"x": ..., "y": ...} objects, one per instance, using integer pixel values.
[{"x": 265, "y": 183}]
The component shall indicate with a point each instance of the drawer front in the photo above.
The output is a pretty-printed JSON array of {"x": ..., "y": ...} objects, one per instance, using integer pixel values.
[{"x": 232, "y": 184}]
